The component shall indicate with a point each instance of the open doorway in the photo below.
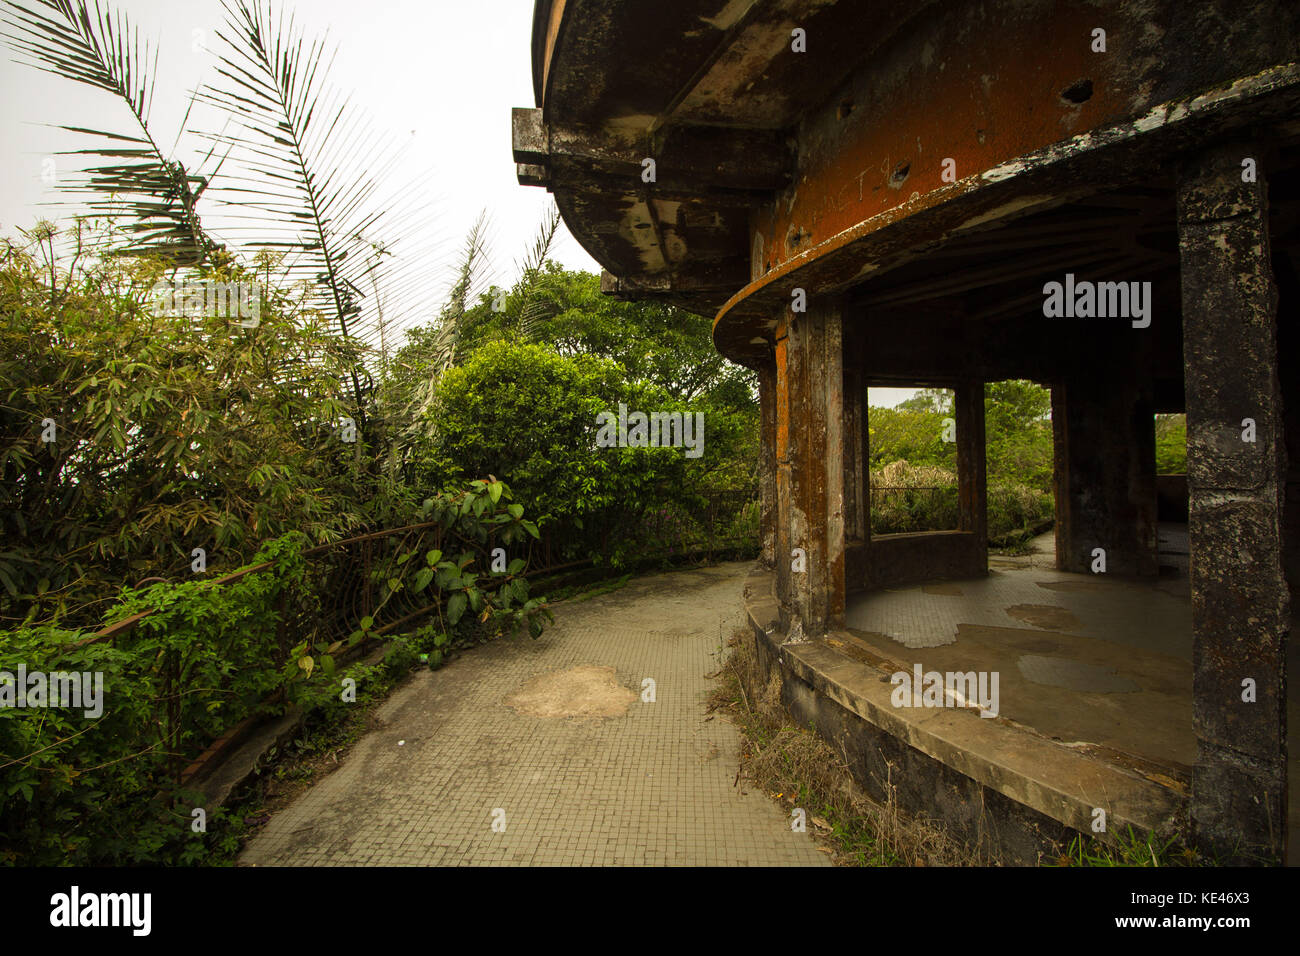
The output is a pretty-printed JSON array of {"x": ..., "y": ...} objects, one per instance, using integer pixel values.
[
  {"x": 1171, "y": 492},
  {"x": 1018, "y": 460},
  {"x": 912, "y": 460}
]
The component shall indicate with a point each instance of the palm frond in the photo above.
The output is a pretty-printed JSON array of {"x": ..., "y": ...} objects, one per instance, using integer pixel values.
[
  {"x": 443, "y": 349},
  {"x": 453, "y": 314},
  {"x": 534, "y": 307},
  {"x": 308, "y": 173},
  {"x": 152, "y": 197},
  {"x": 438, "y": 353}
]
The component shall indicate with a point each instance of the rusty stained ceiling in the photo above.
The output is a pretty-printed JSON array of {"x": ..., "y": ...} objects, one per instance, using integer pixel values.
[
  {"x": 703, "y": 88},
  {"x": 776, "y": 168}
]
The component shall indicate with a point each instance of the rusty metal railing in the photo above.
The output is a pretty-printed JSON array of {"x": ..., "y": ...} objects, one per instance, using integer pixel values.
[
  {"x": 338, "y": 590},
  {"x": 347, "y": 586},
  {"x": 343, "y": 582}
]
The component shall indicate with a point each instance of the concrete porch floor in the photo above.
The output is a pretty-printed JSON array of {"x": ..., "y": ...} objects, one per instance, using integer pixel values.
[{"x": 1088, "y": 660}]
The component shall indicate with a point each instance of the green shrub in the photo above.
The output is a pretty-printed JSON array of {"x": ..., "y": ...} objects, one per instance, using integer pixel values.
[
  {"x": 910, "y": 498},
  {"x": 102, "y": 790},
  {"x": 99, "y": 790},
  {"x": 170, "y": 433},
  {"x": 1017, "y": 509},
  {"x": 1171, "y": 444},
  {"x": 528, "y": 415}
]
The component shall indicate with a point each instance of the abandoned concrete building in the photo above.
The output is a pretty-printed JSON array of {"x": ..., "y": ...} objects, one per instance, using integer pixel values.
[{"x": 1099, "y": 197}]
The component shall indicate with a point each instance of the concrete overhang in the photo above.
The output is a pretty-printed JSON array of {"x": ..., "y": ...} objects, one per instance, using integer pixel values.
[{"x": 889, "y": 133}]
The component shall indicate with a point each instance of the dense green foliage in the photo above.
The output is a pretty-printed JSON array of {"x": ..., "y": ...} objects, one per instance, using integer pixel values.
[
  {"x": 1171, "y": 444},
  {"x": 170, "y": 433},
  {"x": 1018, "y": 434},
  {"x": 651, "y": 342},
  {"x": 914, "y": 469},
  {"x": 177, "y": 432},
  {"x": 523, "y": 402},
  {"x": 96, "y": 790},
  {"x": 130, "y": 437},
  {"x": 909, "y": 434},
  {"x": 100, "y": 789}
]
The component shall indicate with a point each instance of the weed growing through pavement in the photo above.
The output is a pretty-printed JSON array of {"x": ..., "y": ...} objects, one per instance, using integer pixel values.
[{"x": 1131, "y": 849}]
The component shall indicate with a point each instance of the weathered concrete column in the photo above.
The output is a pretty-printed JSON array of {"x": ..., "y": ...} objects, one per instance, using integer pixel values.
[
  {"x": 972, "y": 471},
  {"x": 1105, "y": 471},
  {"x": 767, "y": 464},
  {"x": 857, "y": 475},
  {"x": 855, "y": 455},
  {"x": 1240, "y": 601},
  {"x": 810, "y": 471},
  {"x": 788, "y": 360}
]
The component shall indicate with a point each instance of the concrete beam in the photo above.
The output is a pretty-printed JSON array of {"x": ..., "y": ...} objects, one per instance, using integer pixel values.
[
  {"x": 652, "y": 286},
  {"x": 529, "y": 174},
  {"x": 528, "y": 136},
  {"x": 1240, "y": 599},
  {"x": 695, "y": 159}
]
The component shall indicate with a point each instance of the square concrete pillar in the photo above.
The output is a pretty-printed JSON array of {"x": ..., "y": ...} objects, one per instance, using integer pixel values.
[
  {"x": 972, "y": 470},
  {"x": 810, "y": 468},
  {"x": 855, "y": 457},
  {"x": 767, "y": 464},
  {"x": 1103, "y": 424},
  {"x": 1240, "y": 599},
  {"x": 787, "y": 365}
]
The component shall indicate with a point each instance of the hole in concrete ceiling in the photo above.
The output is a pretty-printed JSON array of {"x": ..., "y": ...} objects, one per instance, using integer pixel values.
[{"x": 1077, "y": 93}]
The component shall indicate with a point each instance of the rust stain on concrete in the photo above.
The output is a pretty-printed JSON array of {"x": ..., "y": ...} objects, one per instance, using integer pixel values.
[{"x": 1050, "y": 617}]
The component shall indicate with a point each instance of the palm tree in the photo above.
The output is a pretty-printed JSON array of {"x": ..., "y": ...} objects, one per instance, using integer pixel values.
[{"x": 418, "y": 378}]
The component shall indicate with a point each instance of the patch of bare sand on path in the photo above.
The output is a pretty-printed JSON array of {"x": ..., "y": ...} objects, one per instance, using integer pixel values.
[{"x": 583, "y": 691}]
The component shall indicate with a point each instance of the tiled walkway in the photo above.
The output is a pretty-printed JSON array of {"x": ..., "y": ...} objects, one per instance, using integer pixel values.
[{"x": 654, "y": 786}]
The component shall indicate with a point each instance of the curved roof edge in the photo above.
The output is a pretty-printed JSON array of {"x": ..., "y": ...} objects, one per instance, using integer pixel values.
[{"x": 541, "y": 15}]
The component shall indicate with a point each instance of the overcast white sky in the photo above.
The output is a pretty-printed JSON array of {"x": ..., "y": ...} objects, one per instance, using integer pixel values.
[{"x": 443, "y": 74}]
